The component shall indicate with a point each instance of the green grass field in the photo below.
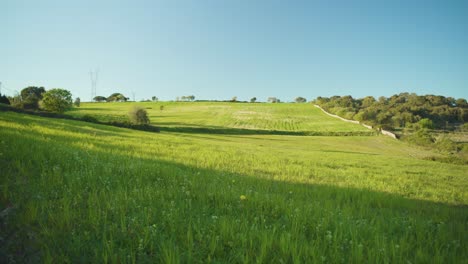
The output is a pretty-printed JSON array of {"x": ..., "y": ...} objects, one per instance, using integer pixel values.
[
  {"x": 219, "y": 192},
  {"x": 225, "y": 118}
]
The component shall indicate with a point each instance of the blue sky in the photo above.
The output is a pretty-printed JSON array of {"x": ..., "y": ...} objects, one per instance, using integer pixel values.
[{"x": 244, "y": 48}]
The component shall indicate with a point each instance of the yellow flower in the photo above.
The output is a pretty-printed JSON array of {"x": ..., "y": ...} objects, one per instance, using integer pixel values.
[{"x": 243, "y": 197}]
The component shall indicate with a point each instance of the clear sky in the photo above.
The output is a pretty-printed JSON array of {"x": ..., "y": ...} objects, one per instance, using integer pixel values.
[{"x": 220, "y": 49}]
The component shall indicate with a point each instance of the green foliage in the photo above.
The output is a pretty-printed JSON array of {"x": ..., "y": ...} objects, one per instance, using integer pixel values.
[
  {"x": 100, "y": 99},
  {"x": 186, "y": 98},
  {"x": 117, "y": 97},
  {"x": 300, "y": 100},
  {"x": 426, "y": 123},
  {"x": 4, "y": 99},
  {"x": 443, "y": 143},
  {"x": 30, "y": 97},
  {"x": 253, "y": 99},
  {"x": 138, "y": 116},
  {"x": 77, "y": 102},
  {"x": 421, "y": 137},
  {"x": 399, "y": 111},
  {"x": 273, "y": 100},
  {"x": 56, "y": 100}
]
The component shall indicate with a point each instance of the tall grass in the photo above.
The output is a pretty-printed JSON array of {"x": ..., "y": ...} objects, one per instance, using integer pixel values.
[{"x": 80, "y": 192}]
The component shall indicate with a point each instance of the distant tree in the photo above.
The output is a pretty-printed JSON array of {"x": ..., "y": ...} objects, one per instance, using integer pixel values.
[
  {"x": 234, "y": 99},
  {"x": 367, "y": 101},
  {"x": 57, "y": 100},
  {"x": 191, "y": 97},
  {"x": 154, "y": 99},
  {"x": 300, "y": 100},
  {"x": 117, "y": 97},
  {"x": 4, "y": 99},
  {"x": 16, "y": 101},
  {"x": 30, "y": 97},
  {"x": 273, "y": 100},
  {"x": 138, "y": 116},
  {"x": 100, "y": 99},
  {"x": 177, "y": 99},
  {"x": 77, "y": 102},
  {"x": 253, "y": 99},
  {"x": 461, "y": 102}
]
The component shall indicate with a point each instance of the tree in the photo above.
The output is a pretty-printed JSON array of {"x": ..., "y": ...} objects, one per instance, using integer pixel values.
[
  {"x": 234, "y": 99},
  {"x": 273, "y": 100},
  {"x": 4, "y": 99},
  {"x": 154, "y": 99},
  {"x": 253, "y": 99},
  {"x": 77, "y": 102},
  {"x": 57, "y": 100},
  {"x": 100, "y": 99},
  {"x": 117, "y": 97},
  {"x": 138, "y": 116},
  {"x": 300, "y": 100},
  {"x": 30, "y": 97},
  {"x": 461, "y": 102}
]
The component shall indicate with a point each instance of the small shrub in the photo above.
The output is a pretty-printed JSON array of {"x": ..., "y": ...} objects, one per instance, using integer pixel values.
[
  {"x": 443, "y": 143},
  {"x": 138, "y": 116},
  {"x": 426, "y": 123},
  {"x": 422, "y": 137}
]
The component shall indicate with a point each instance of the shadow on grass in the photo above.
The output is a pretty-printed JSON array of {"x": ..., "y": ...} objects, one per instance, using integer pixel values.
[
  {"x": 190, "y": 129},
  {"x": 214, "y": 193}
]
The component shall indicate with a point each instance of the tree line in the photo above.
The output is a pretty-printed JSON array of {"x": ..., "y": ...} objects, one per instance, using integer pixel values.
[
  {"x": 404, "y": 110},
  {"x": 37, "y": 98}
]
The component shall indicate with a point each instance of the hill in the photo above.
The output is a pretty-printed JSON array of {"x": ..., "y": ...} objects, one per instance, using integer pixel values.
[
  {"x": 80, "y": 192},
  {"x": 219, "y": 117}
]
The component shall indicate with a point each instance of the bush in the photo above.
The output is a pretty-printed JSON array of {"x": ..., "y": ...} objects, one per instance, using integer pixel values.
[
  {"x": 426, "y": 123},
  {"x": 57, "y": 100},
  {"x": 422, "y": 137},
  {"x": 138, "y": 116},
  {"x": 443, "y": 143}
]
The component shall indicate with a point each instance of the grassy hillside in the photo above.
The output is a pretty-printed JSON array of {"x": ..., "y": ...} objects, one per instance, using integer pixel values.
[
  {"x": 79, "y": 192},
  {"x": 220, "y": 117}
]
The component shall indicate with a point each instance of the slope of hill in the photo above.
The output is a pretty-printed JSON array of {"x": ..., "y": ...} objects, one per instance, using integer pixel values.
[
  {"x": 79, "y": 192},
  {"x": 221, "y": 117}
]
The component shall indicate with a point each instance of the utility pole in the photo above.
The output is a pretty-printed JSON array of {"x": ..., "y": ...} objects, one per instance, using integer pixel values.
[{"x": 94, "y": 79}]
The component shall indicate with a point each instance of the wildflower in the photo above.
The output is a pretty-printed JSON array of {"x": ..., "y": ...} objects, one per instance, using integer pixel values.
[{"x": 243, "y": 197}]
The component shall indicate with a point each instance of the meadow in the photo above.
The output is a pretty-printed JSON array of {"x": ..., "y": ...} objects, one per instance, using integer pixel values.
[{"x": 213, "y": 188}]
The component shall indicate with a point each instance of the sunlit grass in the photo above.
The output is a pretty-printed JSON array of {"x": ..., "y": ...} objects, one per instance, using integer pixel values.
[
  {"x": 281, "y": 117},
  {"x": 90, "y": 193}
]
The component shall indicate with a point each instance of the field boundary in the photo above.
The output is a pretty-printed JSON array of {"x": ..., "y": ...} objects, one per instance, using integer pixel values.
[
  {"x": 86, "y": 118},
  {"x": 382, "y": 131}
]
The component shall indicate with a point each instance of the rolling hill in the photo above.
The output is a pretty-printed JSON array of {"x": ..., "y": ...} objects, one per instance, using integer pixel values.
[{"x": 223, "y": 182}]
